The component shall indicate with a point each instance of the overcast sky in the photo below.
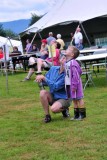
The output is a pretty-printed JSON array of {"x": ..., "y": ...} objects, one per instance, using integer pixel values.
[{"x": 22, "y": 9}]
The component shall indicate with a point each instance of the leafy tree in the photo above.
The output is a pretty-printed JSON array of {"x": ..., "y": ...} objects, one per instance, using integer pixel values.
[
  {"x": 2, "y": 31},
  {"x": 7, "y": 32},
  {"x": 10, "y": 33},
  {"x": 34, "y": 19}
]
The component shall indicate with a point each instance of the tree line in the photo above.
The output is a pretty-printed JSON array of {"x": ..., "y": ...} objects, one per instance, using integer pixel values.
[{"x": 10, "y": 33}]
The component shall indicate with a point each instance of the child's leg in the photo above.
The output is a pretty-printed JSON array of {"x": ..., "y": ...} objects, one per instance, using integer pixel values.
[
  {"x": 82, "y": 109},
  {"x": 76, "y": 110},
  {"x": 81, "y": 103},
  {"x": 75, "y": 103}
]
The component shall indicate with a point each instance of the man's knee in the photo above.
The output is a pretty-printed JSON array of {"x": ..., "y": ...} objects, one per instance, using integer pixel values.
[
  {"x": 39, "y": 60},
  {"x": 56, "y": 108},
  {"x": 42, "y": 93},
  {"x": 53, "y": 109}
]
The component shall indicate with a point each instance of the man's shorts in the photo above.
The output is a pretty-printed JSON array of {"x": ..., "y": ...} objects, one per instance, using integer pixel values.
[
  {"x": 64, "y": 102},
  {"x": 32, "y": 61}
]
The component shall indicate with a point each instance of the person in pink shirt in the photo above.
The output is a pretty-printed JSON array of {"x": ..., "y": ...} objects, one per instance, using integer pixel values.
[{"x": 47, "y": 63}]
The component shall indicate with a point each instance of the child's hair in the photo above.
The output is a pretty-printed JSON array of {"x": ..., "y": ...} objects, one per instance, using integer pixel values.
[{"x": 75, "y": 51}]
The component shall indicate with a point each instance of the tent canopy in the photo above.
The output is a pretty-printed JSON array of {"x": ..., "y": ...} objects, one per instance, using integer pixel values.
[{"x": 67, "y": 11}]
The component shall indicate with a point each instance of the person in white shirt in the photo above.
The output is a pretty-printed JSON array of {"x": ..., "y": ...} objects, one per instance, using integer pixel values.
[{"x": 78, "y": 39}]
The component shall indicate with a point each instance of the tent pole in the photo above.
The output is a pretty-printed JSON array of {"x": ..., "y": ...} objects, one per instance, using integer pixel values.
[
  {"x": 40, "y": 35},
  {"x": 10, "y": 42},
  {"x": 33, "y": 38},
  {"x": 5, "y": 66},
  {"x": 21, "y": 43},
  {"x": 85, "y": 34}
]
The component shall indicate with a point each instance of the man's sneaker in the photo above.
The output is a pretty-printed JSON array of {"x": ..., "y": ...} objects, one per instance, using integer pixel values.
[
  {"x": 47, "y": 118},
  {"x": 65, "y": 113},
  {"x": 25, "y": 79}
]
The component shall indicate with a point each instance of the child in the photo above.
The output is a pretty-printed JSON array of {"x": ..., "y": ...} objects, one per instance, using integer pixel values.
[{"x": 73, "y": 82}]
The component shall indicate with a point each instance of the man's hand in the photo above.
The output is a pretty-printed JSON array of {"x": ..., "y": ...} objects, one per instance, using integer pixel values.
[{"x": 40, "y": 78}]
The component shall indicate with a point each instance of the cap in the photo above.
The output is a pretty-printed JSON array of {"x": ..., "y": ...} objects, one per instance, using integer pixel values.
[{"x": 44, "y": 41}]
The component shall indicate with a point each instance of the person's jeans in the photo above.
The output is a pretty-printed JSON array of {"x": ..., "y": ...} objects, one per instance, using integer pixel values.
[{"x": 79, "y": 46}]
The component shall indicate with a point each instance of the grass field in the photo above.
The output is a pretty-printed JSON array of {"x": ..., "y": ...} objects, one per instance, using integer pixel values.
[{"x": 24, "y": 136}]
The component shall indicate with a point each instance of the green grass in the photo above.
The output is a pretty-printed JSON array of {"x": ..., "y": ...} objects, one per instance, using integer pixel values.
[{"x": 24, "y": 136}]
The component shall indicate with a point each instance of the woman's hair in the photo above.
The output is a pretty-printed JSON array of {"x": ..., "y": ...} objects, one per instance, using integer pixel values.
[
  {"x": 34, "y": 45},
  {"x": 28, "y": 40},
  {"x": 58, "y": 45},
  {"x": 58, "y": 35},
  {"x": 15, "y": 47}
]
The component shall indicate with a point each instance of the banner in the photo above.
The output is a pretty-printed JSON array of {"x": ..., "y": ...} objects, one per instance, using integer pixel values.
[{"x": 52, "y": 51}]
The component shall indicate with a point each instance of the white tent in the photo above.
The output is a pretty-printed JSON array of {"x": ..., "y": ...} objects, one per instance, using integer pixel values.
[
  {"x": 67, "y": 11},
  {"x": 9, "y": 44}
]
